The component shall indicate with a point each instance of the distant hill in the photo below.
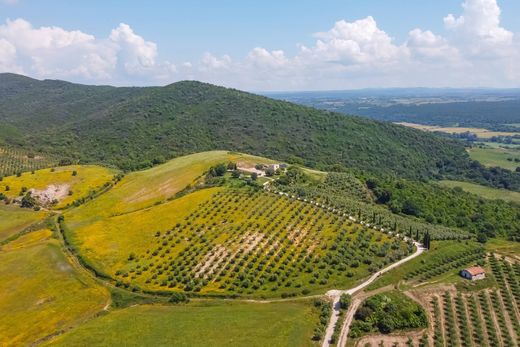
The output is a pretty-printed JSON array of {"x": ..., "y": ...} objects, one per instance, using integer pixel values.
[{"x": 133, "y": 128}]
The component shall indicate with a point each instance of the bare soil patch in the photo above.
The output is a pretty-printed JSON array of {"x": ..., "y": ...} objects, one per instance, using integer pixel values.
[{"x": 53, "y": 192}]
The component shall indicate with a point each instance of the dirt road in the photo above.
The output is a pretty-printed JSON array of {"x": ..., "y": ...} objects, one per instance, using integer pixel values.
[{"x": 335, "y": 295}]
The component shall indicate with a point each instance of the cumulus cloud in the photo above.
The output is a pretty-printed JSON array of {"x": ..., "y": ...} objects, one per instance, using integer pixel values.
[
  {"x": 473, "y": 50},
  {"x": 210, "y": 62},
  {"x": 53, "y": 52},
  {"x": 427, "y": 45},
  {"x": 137, "y": 54},
  {"x": 262, "y": 58},
  {"x": 478, "y": 29},
  {"x": 358, "y": 42}
]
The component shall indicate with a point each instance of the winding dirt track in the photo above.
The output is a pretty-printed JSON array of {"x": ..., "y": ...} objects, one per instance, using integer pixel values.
[{"x": 335, "y": 295}]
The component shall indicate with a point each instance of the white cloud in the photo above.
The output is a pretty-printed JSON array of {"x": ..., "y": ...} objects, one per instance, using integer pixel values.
[
  {"x": 8, "y": 57},
  {"x": 53, "y": 52},
  {"x": 262, "y": 58},
  {"x": 474, "y": 50},
  {"x": 427, "y": 45},
  {"x": 358, "y": 42},
  {"x": 137, "y": 54},
  {"x": 481, "y": 20},
  {"x": 210, "y": 62}
]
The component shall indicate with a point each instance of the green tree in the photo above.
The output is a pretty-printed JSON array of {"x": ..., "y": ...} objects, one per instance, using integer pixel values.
[
  {"x": 269, "y": 172},
  {"x": 345, "y": 300},
  {"x": 28, "y": 201},
  {"x": 177, "y": 298},
  {"x": 482, "y": 237}
]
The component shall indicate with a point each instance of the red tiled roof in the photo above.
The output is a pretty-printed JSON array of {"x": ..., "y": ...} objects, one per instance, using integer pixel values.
[{"x": 475, "y": 270}]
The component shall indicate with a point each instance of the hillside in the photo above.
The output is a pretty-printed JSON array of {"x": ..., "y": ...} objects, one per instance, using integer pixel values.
[
  {"x": 129, "y": 256},
  {"x": 136, "y": 127},
  {"x": 199, "y": 242}
]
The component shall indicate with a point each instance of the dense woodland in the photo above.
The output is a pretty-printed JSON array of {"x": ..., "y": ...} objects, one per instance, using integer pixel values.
[
  {"x": 349, "y": 193},
  {"x": 133, "y": 128},
  {"x": 451, "y": 207},
  {"x": 412, "y": 206}
]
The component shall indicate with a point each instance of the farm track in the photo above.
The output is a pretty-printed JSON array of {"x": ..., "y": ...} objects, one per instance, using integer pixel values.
[
  {"x": 75, "y": 261},
  {"x": 336, "y": 294},
  {"x": 356, "y": 301}
]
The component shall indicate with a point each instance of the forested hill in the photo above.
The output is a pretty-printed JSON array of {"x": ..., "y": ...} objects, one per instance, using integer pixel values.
[{"x": 136, "y": 127}]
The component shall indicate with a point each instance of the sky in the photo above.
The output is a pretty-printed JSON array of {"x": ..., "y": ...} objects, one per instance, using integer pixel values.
[{"x": 265, "y": 45}]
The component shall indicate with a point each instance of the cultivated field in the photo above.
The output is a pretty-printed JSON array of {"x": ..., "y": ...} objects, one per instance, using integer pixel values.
[
  {"x": 480, "y": 132},
  {"x": 483, "y": 191},
  {"x": 200, "y": 324},
  {"x": 481, "y": 313},
  {"x": 40, "y": 292},
  {"x": 477, "y": 316},
  {"x": 441, "y": 263},
  {"x": 142, "y": 189},
  {"x": 494, "y": 157},
  {"x": 236, "y": 240},
  {"x": 14, "y": 161},
  {"x": 66, "y": 184}
]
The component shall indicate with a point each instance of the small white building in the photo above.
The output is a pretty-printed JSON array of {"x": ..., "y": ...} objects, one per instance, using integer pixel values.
[{"x": 473, "y": 273}]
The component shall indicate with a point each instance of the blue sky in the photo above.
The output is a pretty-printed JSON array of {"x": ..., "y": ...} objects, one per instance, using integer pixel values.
[{"x": 215, "y": 41}]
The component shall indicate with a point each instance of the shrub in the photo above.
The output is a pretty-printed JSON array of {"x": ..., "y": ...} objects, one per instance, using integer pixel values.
[{"x": 178, "y": 298}]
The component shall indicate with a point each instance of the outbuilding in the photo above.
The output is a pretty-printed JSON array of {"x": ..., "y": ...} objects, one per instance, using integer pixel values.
[{"x": 473, "y": 273}]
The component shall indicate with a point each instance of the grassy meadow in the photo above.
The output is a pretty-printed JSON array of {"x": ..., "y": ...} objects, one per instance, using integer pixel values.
[
  {"x": 496, "y": 157},
  {"x": 14, "y": 219},
  {"x": 142, "y": 189},
  {"x": 40, "y": 292},
  {"x": 200, "y": 324},
  {"x": 88, "y": 178},
  {"x": 483, "y": 191},
  {"x": 504, "y": 247}
]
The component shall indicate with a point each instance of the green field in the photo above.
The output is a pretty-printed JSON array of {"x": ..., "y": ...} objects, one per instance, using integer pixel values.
[
  {"x": 40, "y": 292},
  {"x": 504, "y": 247},
  {"x": 14, "y": 219},
  {"x": 200, "y": 324},
  {"x": 483, "y": 191},
  {"x": 439, "y": 252},
  {"x": 142, "y": 189},
  {"x": 496, "y": 157}
]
